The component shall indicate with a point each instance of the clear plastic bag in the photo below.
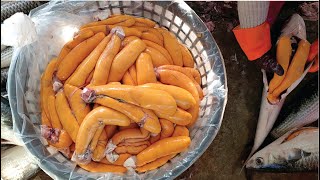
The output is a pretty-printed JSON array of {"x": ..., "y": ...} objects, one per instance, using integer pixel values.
[{"x": 55, "y": 24}]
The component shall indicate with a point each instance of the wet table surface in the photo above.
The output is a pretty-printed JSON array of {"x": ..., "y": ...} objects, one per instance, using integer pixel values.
[{"x": 224, "y": 157}]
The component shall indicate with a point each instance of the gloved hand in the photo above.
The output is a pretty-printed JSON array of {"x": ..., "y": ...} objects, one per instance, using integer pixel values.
[
  {"x": 256, "y": 44},
  {"x": 269, "y": 63},
  {"x": 313, "y": 56}
]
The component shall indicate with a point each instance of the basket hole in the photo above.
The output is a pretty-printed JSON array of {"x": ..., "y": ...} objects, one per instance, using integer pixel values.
[
  {"x": 194, "y": 134},
  {"x": 80, "y": 170},
  {"x": 148, "y": 5},
  {"x": 199, "y": 46},
  {"x": 204, "y": 80},
  {"x": 194, "y": 51},
  {"x": 189, "y": 43},
  {"x": 209, "y": 100},
  {"x": 107, "y": 11},
  {"x": 201, "y": 109},
  {"x": 168, "y": 15},
  {"x": 177, "y": 21},
  {"x": 102, "y": 4},
  {"x": 147, "y": 14},
  {"x": 52, "y": 150},
  {"x": 60, "y": 157},
  {"x": 174, "y": 29},
  {"x": 115, "y": 3},
  {"x": 156, "y": 18},
  {"x": 165, "y": 23},
  {"x": 201, "y": 70},
  {"x": 211, "y": 77},
  {"x": 181, "y": 35},
  {"x": 198, "y": 60},
  {"x": 192, "y": 36},
  {"x": 126, "y": 3},
  {"x": 157, "y": 9},
  {"x": 127, "y": 11},
  {"x": 205, "y": 90},
  {"x": 116, "y": 11},
  {"x": 204, "y": 55},
  {"x": 213, "y": 85},
  {"x": 203, "y": 103},
  {"x": 207, "y": 66},
  {"x": 185, "y": 28}
]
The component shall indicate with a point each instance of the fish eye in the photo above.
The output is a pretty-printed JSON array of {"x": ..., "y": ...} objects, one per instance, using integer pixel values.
[{"x": 259, "y": 161}]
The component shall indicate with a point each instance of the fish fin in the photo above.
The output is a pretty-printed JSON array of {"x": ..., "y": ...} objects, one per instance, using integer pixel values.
[
  {"x": 296, "y": 133},
  {"x": 244, "y": 164},
  {"x": 297, "y": 154}
]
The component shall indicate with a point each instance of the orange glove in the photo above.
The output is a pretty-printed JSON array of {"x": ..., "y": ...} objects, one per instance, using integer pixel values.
[
  {"x": 313, "y": 55},
  {"x": 255, "y": 42}
]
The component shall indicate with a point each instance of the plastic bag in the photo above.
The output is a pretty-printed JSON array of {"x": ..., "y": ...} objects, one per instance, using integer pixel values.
[
  {"x": 18, "y": 31},
  {"x": 55, "y": 24}
]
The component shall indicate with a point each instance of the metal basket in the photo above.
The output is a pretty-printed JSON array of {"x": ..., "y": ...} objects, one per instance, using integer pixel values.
[{"x": 178, "y": 17}]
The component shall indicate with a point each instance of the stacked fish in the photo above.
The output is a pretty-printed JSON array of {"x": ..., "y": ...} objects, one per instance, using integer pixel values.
[
  {"x": 296, "y": 147},
  {"x": 297, "y": 150}
]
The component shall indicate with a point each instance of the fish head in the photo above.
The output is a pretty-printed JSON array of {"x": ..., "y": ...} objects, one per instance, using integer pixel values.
[
  {"x": 265, "y": 158},
  {"x": 258, "y": 160}
]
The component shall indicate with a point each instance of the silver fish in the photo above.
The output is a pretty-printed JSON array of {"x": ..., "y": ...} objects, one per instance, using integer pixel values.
[
  {"x": 308, "y": 112},
  {"x": 297, "y": 150},
  {"x": 7, "y": 132},
  {"x": 17, "y": 164},
  {"x": 6, "y": 56}
]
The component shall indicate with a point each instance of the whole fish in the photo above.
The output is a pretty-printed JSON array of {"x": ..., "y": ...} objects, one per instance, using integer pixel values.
[
  {"x": 307, "y": 113},
  {"x": 7, "y": 132},
  {"x": 17, "y": 164},
  {"x": 297, "y": 150}
]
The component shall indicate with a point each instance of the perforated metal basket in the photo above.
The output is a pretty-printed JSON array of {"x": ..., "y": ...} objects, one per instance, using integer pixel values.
[{"x": 29, "y": 62}]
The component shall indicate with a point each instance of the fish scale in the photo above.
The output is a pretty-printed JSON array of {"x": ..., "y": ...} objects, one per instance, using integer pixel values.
[
  {"x": 307, "y": 113},
  {"x": 308, "y": 163}
]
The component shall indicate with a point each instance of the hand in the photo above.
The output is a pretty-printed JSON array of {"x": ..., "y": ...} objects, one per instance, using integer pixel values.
[{"x": 269, "y": 63}]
